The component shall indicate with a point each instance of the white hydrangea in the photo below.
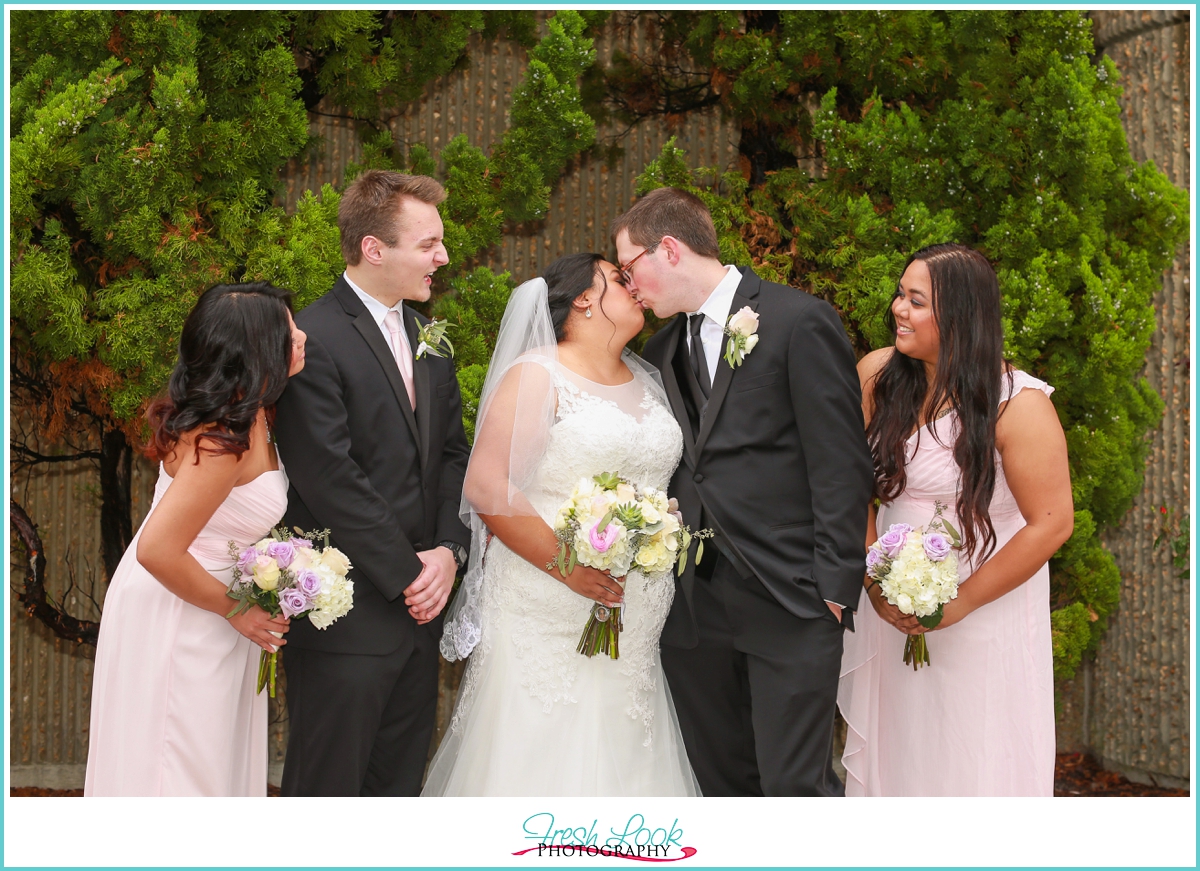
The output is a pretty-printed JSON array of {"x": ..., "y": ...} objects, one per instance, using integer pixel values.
[
  {"x": 335, "y": 599},
  {"x": 916, "y": 584}
]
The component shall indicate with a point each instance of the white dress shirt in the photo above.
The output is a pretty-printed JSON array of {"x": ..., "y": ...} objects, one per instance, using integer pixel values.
[
  {"x": 716, "y": 315},
  {"x": 379, "y": 311}
]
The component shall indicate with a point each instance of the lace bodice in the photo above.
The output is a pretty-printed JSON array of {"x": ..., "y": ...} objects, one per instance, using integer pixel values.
[{"x": 627, "y": 430}]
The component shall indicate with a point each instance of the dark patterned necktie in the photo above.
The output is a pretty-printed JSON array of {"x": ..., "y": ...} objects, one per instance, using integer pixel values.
[{"x": 699, "y": 363}]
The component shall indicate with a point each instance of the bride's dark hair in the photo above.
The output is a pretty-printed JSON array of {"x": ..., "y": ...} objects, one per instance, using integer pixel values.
[
  {"x": 234, "y": 355},
  {"x": 567, "y": 278},
  {"x": 970, "y": 364}
]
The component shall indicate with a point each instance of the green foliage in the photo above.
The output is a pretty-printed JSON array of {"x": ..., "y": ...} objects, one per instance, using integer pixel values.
[
  {"x": 144, "y": 164},
  {"x": 1069, "y": 631},
  {"x": 371, "y": 62},
  {"x": 476, "y": 304},
  {"x": 146, "y": 153},
  {"x": 991, "y": 128}
]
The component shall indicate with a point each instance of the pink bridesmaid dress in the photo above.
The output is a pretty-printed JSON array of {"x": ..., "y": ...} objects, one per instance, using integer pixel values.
[
  {"x": 174, "y": 707},
  {"x": 979, "y": 719}
]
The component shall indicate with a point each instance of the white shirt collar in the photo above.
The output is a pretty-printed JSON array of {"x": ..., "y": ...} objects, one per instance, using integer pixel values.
[
  {"x": 717, "y": 306},
  {"x": 377, "y": 309}
]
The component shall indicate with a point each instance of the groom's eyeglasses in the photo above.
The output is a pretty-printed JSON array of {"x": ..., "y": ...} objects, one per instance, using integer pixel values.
[{"x": 626, "y": 273}]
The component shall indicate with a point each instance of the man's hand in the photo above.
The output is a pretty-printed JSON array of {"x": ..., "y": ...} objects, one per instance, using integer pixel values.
[
  {"x": 836, "y": 609},
  {"x": 427, "y": 595}
]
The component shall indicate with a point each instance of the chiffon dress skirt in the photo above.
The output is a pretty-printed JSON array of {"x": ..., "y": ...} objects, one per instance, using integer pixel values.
[
  {"x": 979, "y": 719},
  {"x": 174, "y": 707}
]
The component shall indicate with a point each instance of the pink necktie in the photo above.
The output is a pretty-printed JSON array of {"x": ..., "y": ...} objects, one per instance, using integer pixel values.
[{"x": 400, "y": 351}]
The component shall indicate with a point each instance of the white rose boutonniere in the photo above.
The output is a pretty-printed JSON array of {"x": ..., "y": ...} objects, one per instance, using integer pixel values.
[
  {"x": 433, "y": 340},
  {"x": 742, "y": 329}
]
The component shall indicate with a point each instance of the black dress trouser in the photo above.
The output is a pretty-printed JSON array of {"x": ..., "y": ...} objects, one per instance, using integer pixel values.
[
  {"x": 361, "y": 724},
  {"x": 756, "y": 696}
]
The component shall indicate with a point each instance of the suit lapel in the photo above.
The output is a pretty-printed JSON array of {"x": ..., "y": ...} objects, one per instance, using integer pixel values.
[
  {"x": 369, "y": 330},
  {"x": 747, "y": 295},
  {"x": 420, "y": 386},
  {"x": 671, "y": 385}
]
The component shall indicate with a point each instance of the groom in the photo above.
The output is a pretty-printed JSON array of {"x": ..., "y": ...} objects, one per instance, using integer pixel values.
[
  {"x": 776, "y": 463},
  {"x": 373, "y": 444}
]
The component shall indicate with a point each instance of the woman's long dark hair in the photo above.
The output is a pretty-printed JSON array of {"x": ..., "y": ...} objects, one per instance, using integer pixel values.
[
  {"x": 234, "y": 355},
  {"x": 970, "y": 364},
  {"x": 566, "y": 279}
]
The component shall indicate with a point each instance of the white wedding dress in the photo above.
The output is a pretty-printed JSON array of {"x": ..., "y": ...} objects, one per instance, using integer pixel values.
[{"x": 533, "y": 716}]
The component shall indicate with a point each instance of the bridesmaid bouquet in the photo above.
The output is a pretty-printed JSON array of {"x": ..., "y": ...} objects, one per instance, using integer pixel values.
[
  {"x": 287, "y": 574},
  {"x": 917, "y": 571},
  {"x": 611, "y": 524}
]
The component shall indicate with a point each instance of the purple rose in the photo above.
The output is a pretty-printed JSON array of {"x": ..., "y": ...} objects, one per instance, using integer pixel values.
[
  {"x": 936, "y": 546},
  {"x": 893, "y": 540},
  {"x": 292, "y": 602},
  {"x": 875, "y": 561},
  {"x": 301, "y": 542},
  {"x": 246, "y": 560},
  {"x": 309, "y": 583},
  {"x": 283, "y": 553}
]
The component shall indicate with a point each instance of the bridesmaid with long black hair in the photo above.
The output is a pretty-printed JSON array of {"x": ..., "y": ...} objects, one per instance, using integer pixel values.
[
  {"x": 950, "y": 421},
  {"x": 174, "y": 707}
]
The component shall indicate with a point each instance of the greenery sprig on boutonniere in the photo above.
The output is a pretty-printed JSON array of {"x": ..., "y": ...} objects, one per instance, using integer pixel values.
[{"x": 432, "y": 339}]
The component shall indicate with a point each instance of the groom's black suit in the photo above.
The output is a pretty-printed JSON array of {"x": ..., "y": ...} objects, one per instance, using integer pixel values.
[
  {"x": 776, "y": 462},
  {"x": 387, "y": 482}
]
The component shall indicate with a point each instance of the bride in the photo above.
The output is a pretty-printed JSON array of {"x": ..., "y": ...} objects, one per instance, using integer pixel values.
[{"x": 563, "y": 401}]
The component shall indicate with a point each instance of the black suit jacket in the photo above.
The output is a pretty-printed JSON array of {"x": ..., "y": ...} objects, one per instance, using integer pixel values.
[
  {"x": 386, "y": 482},
  {"x": 779, "y": 461}
]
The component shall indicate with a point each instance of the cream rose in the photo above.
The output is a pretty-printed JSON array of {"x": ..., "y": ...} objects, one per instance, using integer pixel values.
[
  {"x": 266, "y": 573},
  {"x": 336, "y": 561},
  {"x": 744, "y": 322}
]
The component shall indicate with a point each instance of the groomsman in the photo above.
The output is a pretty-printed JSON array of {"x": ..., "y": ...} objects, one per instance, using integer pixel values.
[
  {"x": 372, "y": 441},
  {"x": 776, "y": 462}
]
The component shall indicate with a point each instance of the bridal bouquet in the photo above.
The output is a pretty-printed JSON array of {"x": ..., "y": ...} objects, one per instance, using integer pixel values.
[
  {"x": 611, "y": 524},
  {"x": 287, "y": 574},
  {"x": 917, "y": 571}
]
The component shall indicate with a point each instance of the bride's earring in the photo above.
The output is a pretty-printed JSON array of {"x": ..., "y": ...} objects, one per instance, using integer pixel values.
[{"x": 587, "y": 313}]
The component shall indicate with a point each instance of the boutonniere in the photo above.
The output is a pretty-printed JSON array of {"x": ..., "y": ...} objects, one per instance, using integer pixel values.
[
  {"x": 742, "y": 329},
  {"x": 432, "y": 339}
]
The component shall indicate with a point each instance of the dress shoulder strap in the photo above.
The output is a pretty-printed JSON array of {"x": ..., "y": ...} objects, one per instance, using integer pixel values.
[{"x": 1012, "y": 383}]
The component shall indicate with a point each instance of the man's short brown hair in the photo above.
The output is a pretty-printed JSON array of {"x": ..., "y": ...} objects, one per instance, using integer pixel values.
[
  {"x": 670, "y": 212},
  {"x": 369, "y": 207}
]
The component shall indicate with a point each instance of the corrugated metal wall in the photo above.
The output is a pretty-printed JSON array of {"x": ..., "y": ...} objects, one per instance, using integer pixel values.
[
  {"x": 1135, "y": 697},
  {"x": 50, "y": 680},
  {"x": 475, "y": 102}
]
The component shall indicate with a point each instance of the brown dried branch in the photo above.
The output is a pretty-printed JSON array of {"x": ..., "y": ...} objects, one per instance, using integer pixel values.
[{"x": 37, "y": 602}]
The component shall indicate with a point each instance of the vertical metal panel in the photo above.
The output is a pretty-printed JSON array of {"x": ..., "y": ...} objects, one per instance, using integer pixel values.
[
  {"x": 50, "y": 680},
  {"x": 1137, "y": 707}
]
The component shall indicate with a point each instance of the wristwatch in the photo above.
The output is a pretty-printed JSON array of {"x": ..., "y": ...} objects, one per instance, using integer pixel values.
[{"x": 460, "y": 553}]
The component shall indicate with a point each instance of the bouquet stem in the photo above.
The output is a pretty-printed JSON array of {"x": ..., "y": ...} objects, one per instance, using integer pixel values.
[
  {"x": 602, "y": 632},
  {"x": 266, "y": 671},
  {"x": 916, "y": 651}
]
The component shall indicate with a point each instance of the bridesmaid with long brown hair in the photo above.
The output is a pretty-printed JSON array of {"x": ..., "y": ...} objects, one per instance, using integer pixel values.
[
  {"x": 950, "y": 421},
  {"x": 174, "y": 703}
]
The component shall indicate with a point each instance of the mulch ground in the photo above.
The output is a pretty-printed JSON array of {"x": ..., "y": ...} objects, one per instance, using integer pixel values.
[
  {"x": 1074, "y": 774},
  {"x": 1080, "y": 774}
]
